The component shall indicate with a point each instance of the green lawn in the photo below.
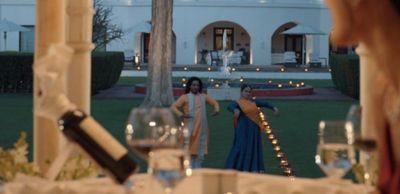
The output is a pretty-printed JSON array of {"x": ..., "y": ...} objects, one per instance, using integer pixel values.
[{"x": 296, "y": 127}]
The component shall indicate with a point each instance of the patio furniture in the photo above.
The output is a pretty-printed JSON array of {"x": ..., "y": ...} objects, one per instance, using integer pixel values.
[
  {"x": 235, "y": 58},
  {"x": 203, "y": 54},
  {"x": 314, "y": 61},
  {"x": 215, "y": 58},
  {"x": 289, "y": 59}
]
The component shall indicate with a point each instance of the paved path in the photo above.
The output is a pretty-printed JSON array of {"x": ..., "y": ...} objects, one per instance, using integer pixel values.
[
  {"x": 319, "y": 94},
  {"x": 217, "y": 74}
]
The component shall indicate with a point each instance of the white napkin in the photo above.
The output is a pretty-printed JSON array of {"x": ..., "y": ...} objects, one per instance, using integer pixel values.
[
  {"x": 33, "y": 185},
  {"x": 259, "y": 184},
  {"x": 203, "y": 181}
]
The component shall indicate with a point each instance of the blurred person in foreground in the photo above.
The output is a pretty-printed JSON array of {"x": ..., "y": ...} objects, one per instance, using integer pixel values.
[{"x": 374, "y": 25}]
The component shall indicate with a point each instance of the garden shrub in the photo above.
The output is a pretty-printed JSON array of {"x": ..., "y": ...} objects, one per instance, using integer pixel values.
[{"x": 346, "y": 74}]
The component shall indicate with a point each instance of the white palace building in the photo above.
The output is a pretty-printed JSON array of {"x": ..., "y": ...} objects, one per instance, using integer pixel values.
[{"x": 254, "y": 29}]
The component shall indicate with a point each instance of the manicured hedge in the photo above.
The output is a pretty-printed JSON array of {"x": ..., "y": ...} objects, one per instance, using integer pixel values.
[
  {"x": 345, "y": 74},
  {"x": 16, "y": 71},
  {"x": 106, "y": 69}
]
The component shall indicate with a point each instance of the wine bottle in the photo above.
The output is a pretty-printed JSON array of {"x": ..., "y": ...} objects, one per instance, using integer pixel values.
[{"x": 98, "y": 144}]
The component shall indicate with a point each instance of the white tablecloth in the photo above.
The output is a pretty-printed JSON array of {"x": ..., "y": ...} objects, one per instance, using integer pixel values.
[{"x": 204, "y": 181}]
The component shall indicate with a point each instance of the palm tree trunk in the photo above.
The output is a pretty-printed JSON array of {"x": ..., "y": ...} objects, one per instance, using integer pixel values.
[{"x": 159, "y": 79}]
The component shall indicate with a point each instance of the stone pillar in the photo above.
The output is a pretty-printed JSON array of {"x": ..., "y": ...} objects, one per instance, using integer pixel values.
[
  {"x": 49, "y": 29},
  {"x": 79, "y": 37},
  {"x": 371, "y": 103},
  {"x": 368, "y": 76}
]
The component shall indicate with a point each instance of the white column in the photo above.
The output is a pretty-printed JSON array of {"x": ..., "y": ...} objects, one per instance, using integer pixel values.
[
  {"x": 368, "y": 76},
  {"x": 79, "y": 37},
  {"x": 49, "y": 29},
  {"x": 371, "y": 103}
]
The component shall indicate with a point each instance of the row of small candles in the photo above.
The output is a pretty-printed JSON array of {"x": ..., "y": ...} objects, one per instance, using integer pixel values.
[
  {"x": 280, "y": 85},
  {"x": 232, "y": 69},
  {"x": 280, "y": 155}
]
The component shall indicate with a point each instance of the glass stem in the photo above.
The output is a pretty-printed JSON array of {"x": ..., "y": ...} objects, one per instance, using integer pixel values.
[
  {"x": 367, "y": 169},
  {"x": 168, "y": 190}
]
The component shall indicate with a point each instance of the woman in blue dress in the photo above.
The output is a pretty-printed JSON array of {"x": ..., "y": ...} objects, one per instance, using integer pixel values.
[{"x": 246, "y": 153}]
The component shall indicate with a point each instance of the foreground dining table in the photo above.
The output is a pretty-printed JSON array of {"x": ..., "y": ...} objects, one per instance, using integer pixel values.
[{"x": 203, "y": 181}]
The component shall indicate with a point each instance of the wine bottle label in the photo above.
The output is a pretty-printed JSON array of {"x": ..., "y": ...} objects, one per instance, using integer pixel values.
[{"x": 103, "y": 138}]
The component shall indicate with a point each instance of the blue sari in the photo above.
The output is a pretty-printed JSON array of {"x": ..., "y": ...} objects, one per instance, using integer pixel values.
[{"x": 246, "y": 153}]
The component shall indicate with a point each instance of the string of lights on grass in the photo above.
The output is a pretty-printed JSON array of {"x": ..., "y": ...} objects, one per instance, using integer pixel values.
[{"x": 280, "y": 155}]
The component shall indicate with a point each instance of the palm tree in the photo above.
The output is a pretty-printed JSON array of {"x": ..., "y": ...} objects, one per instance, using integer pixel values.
[{"x": 159, "y": 81}]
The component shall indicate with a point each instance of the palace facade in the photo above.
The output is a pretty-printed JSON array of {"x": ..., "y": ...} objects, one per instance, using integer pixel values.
[{"x": 254, "y": 29}]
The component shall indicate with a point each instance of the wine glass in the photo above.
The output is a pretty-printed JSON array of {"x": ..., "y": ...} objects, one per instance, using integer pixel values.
[
  {"x": 366, "y": 145},
  {"x": 153, "y": 135},
  {"x": 335, "y": 153}
]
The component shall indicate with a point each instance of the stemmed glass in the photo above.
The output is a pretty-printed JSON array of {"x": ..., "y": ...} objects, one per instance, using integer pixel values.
[
  {"x": 152, "y": 134},
  {"x": 335, "y": 153},
  {"x": 365, "y": 145}
]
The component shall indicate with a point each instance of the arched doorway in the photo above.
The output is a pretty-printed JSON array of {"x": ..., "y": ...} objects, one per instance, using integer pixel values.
[
  {"x": 209, "y": 41},
  {"x": 281, "y": 43}
]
